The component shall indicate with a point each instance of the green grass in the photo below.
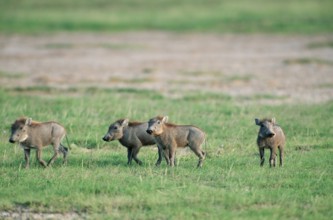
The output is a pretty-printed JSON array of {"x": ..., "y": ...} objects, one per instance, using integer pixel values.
[
  {"x": 10, "y": 75},
  {"x": 242, "y": 16},
  {"x": 304, "y": 61},
  {"x": 97, "y": 182},
  {"x": 322, "y": 44}
]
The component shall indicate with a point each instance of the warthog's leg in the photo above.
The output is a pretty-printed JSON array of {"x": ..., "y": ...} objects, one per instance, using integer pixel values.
[
  {"x": 262, "y": 156},
  {"x": 129, "y": 155},
  {"x": 272, "y": 158},
  {"x": 172, "y": 153},
  {"x": 201, "y": 159},
  {"x": 64, "y": 151},
  {"x": 56, "y": 148},
  {"x": 27, "y": 157},
  {"x": 159, "y": 160},
  {"x": 175, "y": 159},
  {"x": 281, "y": 155},
  {"x": 166, "y": 155},
  {"x": 39, "y": 157},
  {"x": 197, "y": 150},
  {"x": 135, "y": 153}
]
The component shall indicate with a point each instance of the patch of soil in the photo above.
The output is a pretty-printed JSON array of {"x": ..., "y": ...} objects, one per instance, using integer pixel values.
[
  {"x": 26, "y": 214},
  {"x": 268, "y": 68}
]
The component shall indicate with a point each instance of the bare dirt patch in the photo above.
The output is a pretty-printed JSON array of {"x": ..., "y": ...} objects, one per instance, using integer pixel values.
[
  {"x": 256, "y": 66},
  {"x": 26, "y": 214}
]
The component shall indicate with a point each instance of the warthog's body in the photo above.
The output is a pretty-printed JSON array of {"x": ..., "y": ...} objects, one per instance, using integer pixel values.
[
  {"x": 36, "y": 135},
  {"x": 270, "y": 136},
  {"x": 133, "y": 136},
  {"x": 170, "y": 136}
]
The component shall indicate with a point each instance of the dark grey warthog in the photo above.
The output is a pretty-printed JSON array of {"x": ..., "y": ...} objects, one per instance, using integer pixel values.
[
  {"x": 270, "y": 136},
  {"x": 133, "y": 136},
  {"x": 170, "y": 136},
  {"x": 31, "y": 134}
]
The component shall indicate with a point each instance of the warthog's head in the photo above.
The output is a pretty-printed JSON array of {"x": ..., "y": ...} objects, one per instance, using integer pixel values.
[
  {"x": 19, "y": 130},
  {"x": 266, "y": 127},
  {"x": 155, "y": 125},
  {"x": 116, "y": 130}
]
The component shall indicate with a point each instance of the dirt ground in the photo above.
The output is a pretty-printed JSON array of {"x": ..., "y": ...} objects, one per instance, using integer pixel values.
[
  {"x": 26, "y": 214},
  {"x": 269, "y": 68}
]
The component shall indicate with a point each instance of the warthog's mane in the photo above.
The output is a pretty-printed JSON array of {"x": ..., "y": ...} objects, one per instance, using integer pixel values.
[
  {"x": 171, "y": 124},
  {"x": 134, "y": 123},
  {"x": 131, "y": 123},
  {"x": 22, "y": 120}
]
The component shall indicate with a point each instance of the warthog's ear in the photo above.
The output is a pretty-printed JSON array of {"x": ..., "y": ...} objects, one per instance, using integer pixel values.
[
  {"x": 165, "y": 119},
  {"x": 28, "y": 121},
  {"x": 257, "y": 121},
  {"x": 273, "y": 120},
  {"x": 125, "y": 122}
]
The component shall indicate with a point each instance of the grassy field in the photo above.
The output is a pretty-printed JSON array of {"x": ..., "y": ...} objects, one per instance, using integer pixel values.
[
  {"x": 241, "y": 16},
  {"x": 97, "y": 182}
]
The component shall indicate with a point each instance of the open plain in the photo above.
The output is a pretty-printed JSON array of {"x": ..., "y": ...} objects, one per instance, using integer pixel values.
[
  {"x": 214, "y": 64},
  {"x": 287, "y": 68}
]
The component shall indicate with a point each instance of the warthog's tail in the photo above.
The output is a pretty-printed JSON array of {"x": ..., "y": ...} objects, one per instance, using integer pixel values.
[
  {"x": 205, "y": 144},
  {"x": 69, "y": 146}
]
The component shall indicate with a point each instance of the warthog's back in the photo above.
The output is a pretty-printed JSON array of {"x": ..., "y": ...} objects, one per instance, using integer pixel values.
[
  {"x": 45, "y": 132},
  {"x": 185, "y": 134}
]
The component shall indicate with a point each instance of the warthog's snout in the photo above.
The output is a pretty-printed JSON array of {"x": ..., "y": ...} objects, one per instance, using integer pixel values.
[
  {"x": 105, "y": 138},
  {"x": 270, "y": 135},
  {"x": 149, "y": 131},
  {"x": 11, "y": 140}
]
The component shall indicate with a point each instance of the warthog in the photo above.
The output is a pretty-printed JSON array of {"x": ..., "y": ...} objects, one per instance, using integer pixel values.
[
  {"x": 170, "y": 136},
  {"x": 31, "y": 134},
  {"x": 133, "y": 136},
  {"x": 270, "y": 136}
]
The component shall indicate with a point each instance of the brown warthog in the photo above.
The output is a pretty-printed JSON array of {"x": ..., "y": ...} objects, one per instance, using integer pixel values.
[
  {"x": 133, "y": 136},
  {"x": 170, "y": 136},
  {"x": 270, "y": 136},
  {"x": 31, "y": 134}
]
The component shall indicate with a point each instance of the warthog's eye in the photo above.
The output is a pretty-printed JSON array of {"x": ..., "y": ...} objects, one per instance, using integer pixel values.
[
  {"x": 158, "y": 122},
  {"x": 115, "y": 127},
  {"x": 21, "y": 128}
]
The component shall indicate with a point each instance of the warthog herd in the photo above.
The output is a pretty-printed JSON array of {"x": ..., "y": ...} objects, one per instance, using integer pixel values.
[{"x": 133, "y": 135}]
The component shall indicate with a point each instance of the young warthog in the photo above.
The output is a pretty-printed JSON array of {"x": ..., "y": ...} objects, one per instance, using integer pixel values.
[
  {"x": 133, "y": 136},
  {"x": 270, "y": 136},
  {"x": 31, "y": 134},
  {"x": 170, "y": 136}
]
